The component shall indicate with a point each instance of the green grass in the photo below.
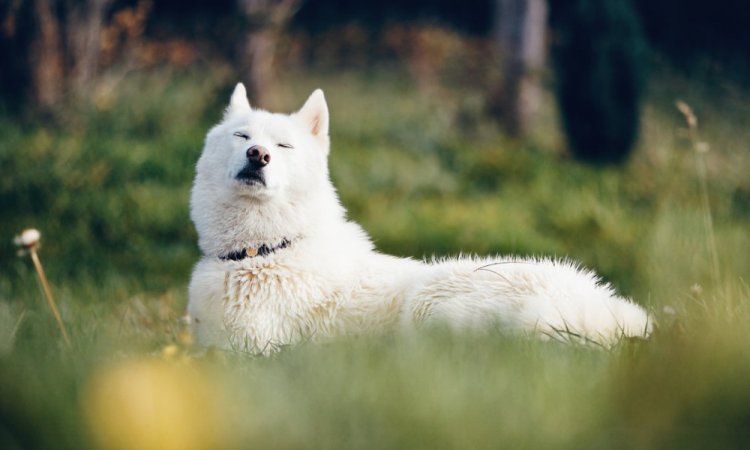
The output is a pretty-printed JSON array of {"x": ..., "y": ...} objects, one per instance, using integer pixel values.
[{"x": 426, "y": 175}]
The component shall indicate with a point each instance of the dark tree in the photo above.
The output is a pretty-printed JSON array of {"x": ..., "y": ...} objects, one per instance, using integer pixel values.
[
  {"x": 16, "y": 31},
  {"x": 600, "y": 62}
]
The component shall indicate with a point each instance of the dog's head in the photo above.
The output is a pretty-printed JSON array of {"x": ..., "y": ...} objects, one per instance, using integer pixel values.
[
  {"x": 263, "y": 176},
  {"x": 258, "y": 154}
]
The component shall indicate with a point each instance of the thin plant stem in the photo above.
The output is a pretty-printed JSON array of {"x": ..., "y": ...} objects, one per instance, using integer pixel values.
[
  {"x": 699, "y": 150},
  {"x": 17, "y": 326},
  {"x": 48, "y": 294},
  {"x": 708, "y": 221}
]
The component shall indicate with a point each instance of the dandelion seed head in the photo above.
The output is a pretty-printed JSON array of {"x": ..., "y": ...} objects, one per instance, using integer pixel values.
[{"x": 28, "y": 238}]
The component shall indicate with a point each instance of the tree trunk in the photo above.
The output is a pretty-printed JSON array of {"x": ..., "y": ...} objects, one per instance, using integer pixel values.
[
  {"x": 47, "y": 70},
  {"x": 84, "y": 36},
  {"x": 64, "y": 56},
  {"x": 520, "y": 29},
  {"x": 257, "y": 66},
  {"x": 266, "y": 21}
]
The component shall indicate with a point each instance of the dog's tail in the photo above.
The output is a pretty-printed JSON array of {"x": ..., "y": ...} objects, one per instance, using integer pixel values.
[{"x": 556, "y": 299}]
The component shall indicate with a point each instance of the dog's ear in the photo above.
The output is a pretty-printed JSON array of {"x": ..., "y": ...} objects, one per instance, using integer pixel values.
[
  {"x": 238, "y": 103},
  {"x": 314, "y": 114}
]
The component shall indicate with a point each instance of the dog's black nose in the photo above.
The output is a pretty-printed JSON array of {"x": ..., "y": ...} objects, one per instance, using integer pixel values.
[{"x": 259, "y": 155}]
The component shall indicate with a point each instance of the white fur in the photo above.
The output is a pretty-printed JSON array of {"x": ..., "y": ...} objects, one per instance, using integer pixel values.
[{"x": 331, "y": 281}]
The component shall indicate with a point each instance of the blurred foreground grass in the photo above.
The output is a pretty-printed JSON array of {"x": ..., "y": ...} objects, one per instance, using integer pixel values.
[{"x": 426, "y": 173}]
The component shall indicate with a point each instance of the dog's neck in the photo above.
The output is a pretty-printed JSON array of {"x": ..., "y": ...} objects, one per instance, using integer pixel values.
[
  {"x": 259, "y": 251},
  {"x": 230, "y": 227}
]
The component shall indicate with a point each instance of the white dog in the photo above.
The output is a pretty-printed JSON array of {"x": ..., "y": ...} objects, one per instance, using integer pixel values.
[{"x": 281, "y": 263}]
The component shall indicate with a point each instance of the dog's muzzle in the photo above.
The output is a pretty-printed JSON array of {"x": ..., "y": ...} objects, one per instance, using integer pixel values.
[
  {"x": 251, "y": 176},
  {"x": 258, "y": 157}
]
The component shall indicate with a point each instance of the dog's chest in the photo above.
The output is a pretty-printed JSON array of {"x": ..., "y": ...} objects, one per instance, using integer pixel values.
[{"x": 269, "y": 307}]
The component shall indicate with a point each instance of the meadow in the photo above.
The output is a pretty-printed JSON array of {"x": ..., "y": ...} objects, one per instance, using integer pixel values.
[{"x": 426, "y": 172}]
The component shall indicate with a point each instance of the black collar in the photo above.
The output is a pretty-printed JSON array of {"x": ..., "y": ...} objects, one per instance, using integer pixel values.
[{"x": 251, "y": 252}]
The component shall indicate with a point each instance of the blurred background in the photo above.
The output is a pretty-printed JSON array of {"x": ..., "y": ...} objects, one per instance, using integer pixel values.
[
  {"x": 105, "y": 104},
  {"x": 526, "y": 127}
]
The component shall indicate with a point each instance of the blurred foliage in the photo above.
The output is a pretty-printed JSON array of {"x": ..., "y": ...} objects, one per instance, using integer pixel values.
[
  {"x": 475, "y": 17},
  {"x": 110, "y": 183},
  {"x": 699, "y": 37}
]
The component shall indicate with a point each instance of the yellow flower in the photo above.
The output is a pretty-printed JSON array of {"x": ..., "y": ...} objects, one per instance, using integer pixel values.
[{"x": 151, "y": 404}]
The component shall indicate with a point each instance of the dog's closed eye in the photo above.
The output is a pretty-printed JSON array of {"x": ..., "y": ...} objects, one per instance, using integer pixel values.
[
  {"x": 242, "y": 135},
  {"x": 284, "y": 145}
]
